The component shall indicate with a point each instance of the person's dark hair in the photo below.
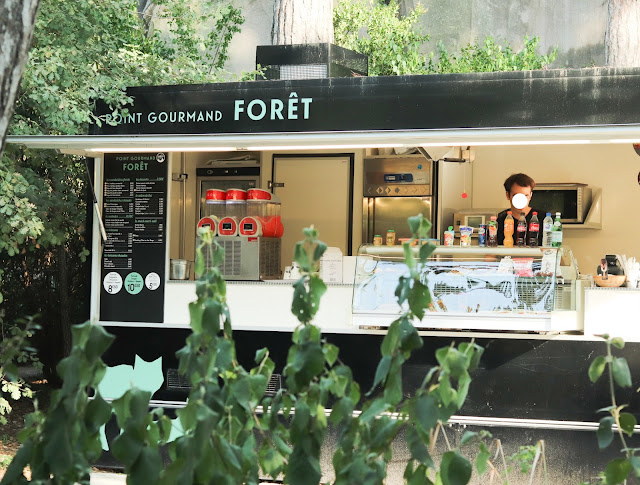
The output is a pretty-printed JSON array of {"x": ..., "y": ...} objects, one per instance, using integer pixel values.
[{"x": 522, "y": 179}]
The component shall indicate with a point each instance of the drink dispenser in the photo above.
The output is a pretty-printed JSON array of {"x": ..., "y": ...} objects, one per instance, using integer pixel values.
[
  {"x": 215, "y": 204},
  {"x": 236, "y": 209},
  {"x": 264, "y": 208}
]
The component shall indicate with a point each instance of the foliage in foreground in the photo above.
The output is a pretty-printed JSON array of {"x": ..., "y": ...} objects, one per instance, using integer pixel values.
[
  {"x": 619, "y": 469},
  {"x": 232, "y": 431}
]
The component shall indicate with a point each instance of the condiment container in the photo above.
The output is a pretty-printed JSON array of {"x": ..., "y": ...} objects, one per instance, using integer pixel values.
[
  {"x": 377, "y": 240},
  {"x": 391, "y": 237}
]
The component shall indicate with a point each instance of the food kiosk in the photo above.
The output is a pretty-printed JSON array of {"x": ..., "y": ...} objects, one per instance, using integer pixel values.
[{"x": 535, "y": 326}]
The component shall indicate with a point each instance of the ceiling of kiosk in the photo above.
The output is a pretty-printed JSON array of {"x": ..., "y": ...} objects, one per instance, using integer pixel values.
[{"x": 563, "y": 135}]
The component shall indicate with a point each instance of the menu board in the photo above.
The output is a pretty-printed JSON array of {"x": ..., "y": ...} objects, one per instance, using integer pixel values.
[{"x": 133, "y": 258}]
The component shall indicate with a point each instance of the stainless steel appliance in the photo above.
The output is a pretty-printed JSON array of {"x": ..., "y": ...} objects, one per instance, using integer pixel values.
[
  {"x": 572, "y": 200},
  {"x": 248, "y": 258},
  {"x": 396, "y": 188},
  {"x": 226, "y": 174}
]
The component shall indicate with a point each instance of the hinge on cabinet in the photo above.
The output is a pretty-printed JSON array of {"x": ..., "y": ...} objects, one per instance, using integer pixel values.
[{"x": 272, "y": 184}]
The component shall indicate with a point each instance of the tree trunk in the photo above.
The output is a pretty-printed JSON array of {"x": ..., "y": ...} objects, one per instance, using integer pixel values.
[
  {"x": 64, "y": 329},
  {"x": 16, "y": 29},
  {"x": 622, "y": 39},
  {"x": 146, "y": 10},
  {"x": 302, "y": 22}
]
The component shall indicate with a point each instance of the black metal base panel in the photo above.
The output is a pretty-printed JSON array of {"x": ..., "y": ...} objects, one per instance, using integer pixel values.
[{"x": 517, "y": 378}]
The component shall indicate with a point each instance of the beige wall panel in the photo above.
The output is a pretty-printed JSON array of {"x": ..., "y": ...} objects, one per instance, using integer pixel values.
[{"x": 614, "y": 168}]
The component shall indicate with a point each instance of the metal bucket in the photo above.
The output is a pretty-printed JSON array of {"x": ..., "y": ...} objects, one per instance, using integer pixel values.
[{"x": 180, "y": 269}]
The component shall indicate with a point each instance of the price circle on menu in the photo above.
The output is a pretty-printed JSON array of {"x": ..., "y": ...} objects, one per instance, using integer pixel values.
[
  {"x": 152, "y": 281},
  {"x": 133, "y": 283},
  {"x": 112, "y": 283}
]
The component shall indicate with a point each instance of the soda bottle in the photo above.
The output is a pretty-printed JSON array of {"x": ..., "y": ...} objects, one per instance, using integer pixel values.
[
  {"x": 547, "y": 228},
  {"x": 492, "y": 228},
  {"x": 521, "y": 240},
  {"x": 508, "y": 230},
  {"x": 482, "y": 235},
  {"x": 534, "y": 230},
  {"x": 556, "y": 234}
]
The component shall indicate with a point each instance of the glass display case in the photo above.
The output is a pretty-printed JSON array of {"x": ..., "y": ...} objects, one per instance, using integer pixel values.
[{"x": 471, "y": 281}]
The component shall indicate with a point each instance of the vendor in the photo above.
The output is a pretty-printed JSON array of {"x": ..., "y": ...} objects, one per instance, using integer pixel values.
[{"x": 519, "y": 183}]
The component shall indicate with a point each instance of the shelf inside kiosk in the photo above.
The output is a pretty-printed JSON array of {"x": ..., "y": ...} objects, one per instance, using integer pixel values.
[{"x": 470, "y": 280}]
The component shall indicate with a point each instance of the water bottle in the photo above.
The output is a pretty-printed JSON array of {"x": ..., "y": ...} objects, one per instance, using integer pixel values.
[
  {"x": 521, "y": 240},
  {"x": 508, "y": 231},
  {"x": 492, "y": 228},
  {"x": 547, "y": 228},
  {"x": 534, "y": 230},
  {"x": 556, "y": 234}
]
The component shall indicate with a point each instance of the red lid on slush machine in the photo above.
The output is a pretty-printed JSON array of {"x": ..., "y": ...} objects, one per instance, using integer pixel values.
[
  {"x": 251, "y": 226},
  {"x": 236, "y": 194},
  {"x": 215, "y": 194},
  {"x": 261, "y": 194},
  {"x": 210, "y": 222},
  {"x": 228, "y": 226}
]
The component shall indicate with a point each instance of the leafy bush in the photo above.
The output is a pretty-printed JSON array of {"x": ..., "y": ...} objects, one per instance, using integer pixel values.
[
  {"x": 489, "y": 57},
  {"x": 227, "y": 408},
  {"x": 374, "y": 28},
  {"x": 395, "y": 44}
]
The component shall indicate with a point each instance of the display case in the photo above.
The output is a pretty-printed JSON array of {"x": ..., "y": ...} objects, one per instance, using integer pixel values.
[{"x": 473, "y": 287}]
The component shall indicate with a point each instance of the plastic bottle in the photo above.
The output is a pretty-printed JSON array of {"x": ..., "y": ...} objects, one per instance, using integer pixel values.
[
  {"x": 508, "y": 230},
  {"x": 556, "y": 234},
  {"x": 449, "y": 236},
  {"x": 521, "y": 240},
  {"x": 492, "y": 228},
  {"x": 534, "y": 230},
  {"x": 547, "y": 228}
]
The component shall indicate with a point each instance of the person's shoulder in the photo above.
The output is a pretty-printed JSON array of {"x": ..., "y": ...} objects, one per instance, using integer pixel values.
[
  {"x": 540, "y": 212},
  {"x": 502, "y": 214}
]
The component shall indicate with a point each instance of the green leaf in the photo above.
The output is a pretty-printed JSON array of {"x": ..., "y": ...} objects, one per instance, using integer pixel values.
[
  {"x": 330, "y": 353},
  {"x": 604, "y": 433},
  {"x": 196, "y": 310},
  {"x": 426, "y": 410},
  {"x": 403, "y": 290},
  {"x": 621, "y": 373},
  {"x": 271, "y": 461},
  {"x": 617, "y": 342},
  {"x": 617, "y": 471},
  {"x": 482, "y": 458},
  {"x": 627, "y": 423},
  {"x": 376, "y": 407},
  {"x": 419, "y": 299},
  {"x": 303, "y": 468},
  {"x": 597, "y": 368},
  {"x": 147, "y": 467},
  {"x": 467, "y": 436},
  {"x": 635, "y": 464},
  {"x": 98, "y": 413},
  {"x": 455, "y": 469},
  {"x": 417, "y": 447},
  {"x": 382, "y": 371}
]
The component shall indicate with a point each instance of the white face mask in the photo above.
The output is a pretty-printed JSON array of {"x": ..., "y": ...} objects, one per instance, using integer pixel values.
[{"x": 519, "y": 201}]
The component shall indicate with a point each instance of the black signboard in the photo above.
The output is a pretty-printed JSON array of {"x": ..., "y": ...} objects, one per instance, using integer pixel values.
[
  {"x": 560, "y": 97},
  {"x": 133, "y": 260}
]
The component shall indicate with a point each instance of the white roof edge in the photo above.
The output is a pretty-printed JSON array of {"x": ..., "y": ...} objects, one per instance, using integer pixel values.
[{"x": 92, "y": 144}]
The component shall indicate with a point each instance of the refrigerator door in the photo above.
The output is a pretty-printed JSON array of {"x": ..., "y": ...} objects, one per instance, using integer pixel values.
[{"x": 384, "y": 213}]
